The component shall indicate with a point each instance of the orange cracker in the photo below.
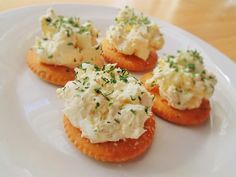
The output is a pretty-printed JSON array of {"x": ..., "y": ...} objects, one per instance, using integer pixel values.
[
  {"x": 120, "y": 151},
  {"x": 58, "y": 75},
  {"x": 182, "y": 117},
  {"x": 129, "y": 62},
  {"x": 55, "y": 74}
]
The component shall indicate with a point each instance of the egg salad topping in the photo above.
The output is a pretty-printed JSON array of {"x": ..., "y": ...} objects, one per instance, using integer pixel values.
[
  {"x": 183, "y": 80},
  {"x": 134, "y": 34},
  {"x": 65, "y": 41},
  {"x": 106, "y": 104}
]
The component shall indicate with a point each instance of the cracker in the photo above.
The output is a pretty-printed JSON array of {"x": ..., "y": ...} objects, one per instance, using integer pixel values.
[
  {"x": 120, "y": 151},
  {"x": 58, "y": 75},
  {"x": 129, "y": 62},
  {"x": 54, "y": 74},
  {"x": 181, "y": 117}
]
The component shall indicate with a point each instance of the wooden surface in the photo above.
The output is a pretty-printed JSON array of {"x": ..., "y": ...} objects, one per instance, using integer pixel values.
[{"x": 212, "y": 20}]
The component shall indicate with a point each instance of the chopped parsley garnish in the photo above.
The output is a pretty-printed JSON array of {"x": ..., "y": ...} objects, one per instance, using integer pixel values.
[
  {"x": 153, "y": 98},
  {"x": 152, "y": 84},
  {"x": 71, "y": 21},
  {"x": 68, "y": 32},
  {"x": 133, "y": 111},
  {"x": 132, "y": 98},
  {"x": 97, "y": 105},
  {"x": 105, "y": 80},
  {"x": 82, "y": 29},
  {"x": 98, "y": 90},
  {"x": 98, "y": 47},
  {"x": 48, "y": 20},
  {"x": 146, "y": 109},
  {"x": 70, "y": 43},
  {"x": 210, "y": 77},
  {"x": 140, "y": 99},
  {"x": 110, "y": 103},
  {"x": 86, "y": 79},
  {"x": 96, "y": 68},
  {"x": 109, "y": 93},
  {"x": 113, "y": 78},
  {"x": 124, "y": 76},
  {"x": 191, "y": 66},
  {"x": 81, "y": 67},
  {"x": 50, "y": 56},
  {"x": 117, "y": 121},
  {"x": 195, "y": 54}
]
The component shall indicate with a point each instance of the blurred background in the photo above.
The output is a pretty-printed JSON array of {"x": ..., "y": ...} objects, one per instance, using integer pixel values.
[{"x": 212, "y": 20}]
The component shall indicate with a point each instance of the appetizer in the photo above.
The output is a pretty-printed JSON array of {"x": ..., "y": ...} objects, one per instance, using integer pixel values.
[
  {"x": 132, "y": 41},
  {"x": 182, "y": 88},
  {"x": 107, "y": 113},
  {"x": 65, "y": 43}
]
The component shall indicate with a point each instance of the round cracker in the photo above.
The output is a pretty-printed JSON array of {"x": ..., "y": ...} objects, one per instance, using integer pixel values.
[
  {"x": 120, "y": 151},
  {"x": 58, "y": 75},
  {"x": 129, "y": 62},
  {"x": 54, "y": 74},
  {"x": 182, "y": 117}
]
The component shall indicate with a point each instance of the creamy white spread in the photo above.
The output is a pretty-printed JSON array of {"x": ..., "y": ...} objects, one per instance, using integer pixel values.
[
  {"x": 106, "y": 104},
  {"x": 134, "y": 34},
  {"x": 183, "y": 80},
  {"x": 65, "y": 41}
]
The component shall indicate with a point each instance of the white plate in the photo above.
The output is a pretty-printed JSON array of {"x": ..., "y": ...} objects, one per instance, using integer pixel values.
[{"x": 32, "y": 139}]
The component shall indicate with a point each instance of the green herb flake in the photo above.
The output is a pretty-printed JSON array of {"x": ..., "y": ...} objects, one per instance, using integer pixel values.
[
  {"x": 133, "y": 111},
  {"x": 117, "y": 121},
  {"x": 113, "y": 79},
  {"x": 146, "y": 109},
  {"x": 98, "y": 91},
  {"x": 50, "y": 56},
  {"x": 105, "y": 80},
  {"x": 70, "y": 43},
  {"x": 48, "y": 19},
  {"x": 86, "y": 79},
  {"x": 97, "y": 105},
  {"x": 132, "y": 98},
  {"x": 191, "y": 66},
  {"x": 82, "y": 29},
  {"x": 110, "y": 103},
  {"x": 140, "y": 99},
  {"x": 96, "y": 68},
  {"x": 98, "y": 47}
]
